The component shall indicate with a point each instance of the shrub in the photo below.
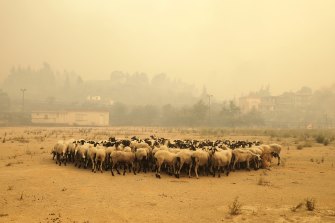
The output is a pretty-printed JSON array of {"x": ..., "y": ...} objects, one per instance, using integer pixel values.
[
  {"x": 235, "y": 207},
  {"x": 295, "y": 208},
  {"x": 320, "y": 138},
  {"x": 310, "y": 204},
  {"x": 326, "y": 142},
  {"x": 300, "y": 147}
]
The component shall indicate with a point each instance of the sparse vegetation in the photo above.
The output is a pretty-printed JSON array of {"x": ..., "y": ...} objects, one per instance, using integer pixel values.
[
  {"x": 263, "y": 182},
  {"x": 300, "y": 147},
  {"x": 310, "y": 204},
  {"x": 298, "y": 206},
  {"x": 21, "y": 197},
  {"x": 235, "y": 207},
  {"x": 10, "y": 187}
]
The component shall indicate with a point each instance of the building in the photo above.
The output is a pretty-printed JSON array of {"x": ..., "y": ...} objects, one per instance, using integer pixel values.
[
  {"x": 249, "y": 103},
  {"x": 71, "y": 118}
]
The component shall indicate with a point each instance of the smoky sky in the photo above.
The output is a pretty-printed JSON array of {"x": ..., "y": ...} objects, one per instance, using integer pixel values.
[{"x": 231, "y": 47}]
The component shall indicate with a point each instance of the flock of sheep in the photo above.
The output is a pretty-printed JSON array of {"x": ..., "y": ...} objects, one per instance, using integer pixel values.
[{"x": 171, "y": 156}]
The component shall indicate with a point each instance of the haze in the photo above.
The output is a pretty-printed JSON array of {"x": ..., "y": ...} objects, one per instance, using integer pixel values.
[{"x": 231, "y": 47}]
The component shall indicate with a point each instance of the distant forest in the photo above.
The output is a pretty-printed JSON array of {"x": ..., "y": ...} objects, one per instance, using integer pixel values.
[{"x": 135, "y": 99}]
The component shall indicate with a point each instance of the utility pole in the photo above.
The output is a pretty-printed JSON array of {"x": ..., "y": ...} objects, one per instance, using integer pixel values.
[
  {"x": 23, "y": 90},
  {"x": 209, "y": 108}
]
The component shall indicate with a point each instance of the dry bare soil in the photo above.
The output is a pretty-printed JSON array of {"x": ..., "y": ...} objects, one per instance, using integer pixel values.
[{"x": 34, "y": 189}]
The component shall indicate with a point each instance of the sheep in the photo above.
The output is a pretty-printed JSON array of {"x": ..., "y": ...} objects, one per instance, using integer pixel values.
[
  {"x": 242, "y": 155},
  {"x": 141, "y": 158},
  {"x": 99, "y": 158},
  {"x": 71, "y": 149},
  {"x": 256, "y": 150},
  {"x": 273, "y": 149},
  {"x": 127, "y": 158},
  {"x": 53, "y": 150},
  {"x": 108, "y": 155},
  {"x": 164, "y": 156},
  {"x": 185, "y": 157},
  {"x": 276, "y": 148},
  {"x": 220, "y": 159},
  {"x": 200, "y": 158},
  {"x": 91, "y": 153},
  {"x": 81, "y": 155},
  {"x": 60, "y": 151}
]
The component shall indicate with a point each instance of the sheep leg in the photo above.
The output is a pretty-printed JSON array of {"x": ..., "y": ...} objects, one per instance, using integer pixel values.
[
  {"x": 278, "y": 159},
  {"x": 189, "y": 170},
  {"x": 227, "y": 170},
  {"x": 116, "y": 168},
  {"x": 235, "y": 161},
  {"x": 196, "y": 170},
  {"x": 158, "y": 170},
  {"x": 101, "y": 166},
  {"x": 93, "y": 166},
  {"x": 219, "y": 171},
  {"x": 59, "y": 161},
  {"x": 145, "y": 165},
  {"x": 248, "y": 165},
  {"x": 112, "y": 166},
  {"x": 124, "y": 169},
  {"x": 133, "y": 167}
]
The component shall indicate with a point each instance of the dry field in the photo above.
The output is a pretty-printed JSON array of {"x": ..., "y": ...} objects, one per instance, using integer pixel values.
[{"x": 34, "y": 189}]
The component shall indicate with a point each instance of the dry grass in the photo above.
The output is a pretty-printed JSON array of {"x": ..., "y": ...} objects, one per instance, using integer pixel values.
[
  {"x": 310, "y": 204},
  {"x": 298, "y": 206},
  {"x": 235, "y": 207}
]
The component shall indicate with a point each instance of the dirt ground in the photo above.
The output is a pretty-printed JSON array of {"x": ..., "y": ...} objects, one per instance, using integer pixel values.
[{"x": 34, "y": 189}]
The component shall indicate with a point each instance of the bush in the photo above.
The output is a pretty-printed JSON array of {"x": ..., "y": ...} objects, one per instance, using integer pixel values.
[
  {"x": 235, "y": 207},
  {"x": 295, "y": 208},
  {"x": 310, "y": 204},
  {"x": 320, "y": 138},
  {"x": 300, "y": 147}
]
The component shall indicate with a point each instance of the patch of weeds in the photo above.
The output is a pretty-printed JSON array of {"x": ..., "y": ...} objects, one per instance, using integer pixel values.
[
  {"x": 263, "y": 182},
  {"x": 3, "y": 215},
  {"x": 21, "y": 197},
  {"x": 64, "y": 189},
  {"x": 42, "y": 148},
  {"x": 320, "y": 138},
  {"x": 307, "y": 144},
  {"x": 312, "y": 160},
  {"x": 300, "y": 147},
  {"x": 310, "y": 204},
  {"x": 322, "y": 159},
  {"x": 28, "y": 152},
  {"x": 235, "y": 207},
  {"x": 298, "y": 206},
  {"x": 326, "y": 142},
  {"x": 8, "y": 164},
  {"x": 10, "y": 187}
]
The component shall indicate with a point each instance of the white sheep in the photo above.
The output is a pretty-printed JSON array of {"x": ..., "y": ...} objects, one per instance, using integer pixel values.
[
  {"x": 164, "y": 156},
  {"x": 200, "y": 158},
  {"x": 141, "y": 158},
  {"x": 91, "y": 153},
  {"x": 99, "y": 158},
  {"x": 243, "y": 155},
  {"x": 221, "y": 159},
  {"x": 184, "y": 157},
  {"x": 118, "y": 157},
  {"x": 60, "y": 151}
]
